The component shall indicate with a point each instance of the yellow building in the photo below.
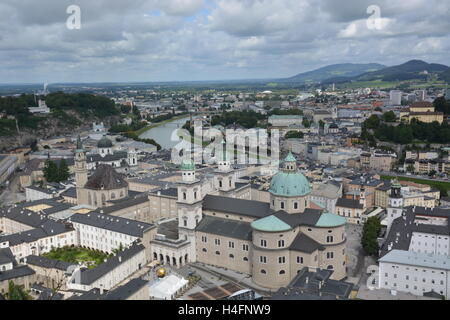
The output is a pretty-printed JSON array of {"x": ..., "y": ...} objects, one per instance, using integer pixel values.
[{"x": 423, "y": 112}]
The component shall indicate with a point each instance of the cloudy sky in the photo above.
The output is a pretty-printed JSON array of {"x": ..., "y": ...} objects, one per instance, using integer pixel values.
[{"x": 178, "y": 40}]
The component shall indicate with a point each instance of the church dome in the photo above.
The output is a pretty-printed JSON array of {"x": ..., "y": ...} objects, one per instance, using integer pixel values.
[
  {"x": 289, "y": 184},
  {"x": 104, "y": 143}
]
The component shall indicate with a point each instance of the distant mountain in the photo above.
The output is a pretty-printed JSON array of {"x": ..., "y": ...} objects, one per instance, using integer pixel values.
[
  {"x": 346, "y": 70},
  {"x": 445, "y": 76},
  {"x": 411, "y": 70}
]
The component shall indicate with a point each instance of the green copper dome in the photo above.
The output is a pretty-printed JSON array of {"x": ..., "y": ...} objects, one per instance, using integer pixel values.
[
  {"x": 289, "y": 184},
  {"x": 290, "y": 158},
  {"x": 187, "y": 165},
  {"x": 329, "y": 220},
  {"x": 270, "y": 224}
]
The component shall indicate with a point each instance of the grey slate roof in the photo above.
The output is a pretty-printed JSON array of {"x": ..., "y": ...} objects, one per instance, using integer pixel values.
[
  {"x": 89, "y": 276},
  {"x": 349, "y": 203},
  {"x": 6, "y": 256},
  {"x": 71, "y": 192},
  {"x": 403, "y": 227},
  {"x": 118, "y": 155},
  {"x": 105, "y": 177},
  {"x": 309, "y": 285},
  {"x": 303, "y": 243},
  {"x": 307, "y": 218},
  {"x": 125, "y": 291},
  {"x": 124, "y": 203},
  {"x": 17, "y": 272},
  {"x": 170, "y": 192},
  {"x": 225, "y": 227},
  {"x": 117, "y": 224},
  {"x": 48, "y": 263},
  {"x": 242, "y": 207}
]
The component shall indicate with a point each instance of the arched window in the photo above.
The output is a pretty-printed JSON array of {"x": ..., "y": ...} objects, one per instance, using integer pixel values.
[
  {"x": 232, "y": 256},
  {"x": 295, "y": 205},
  {"x": 113, "y": 195},
  {"x": 282, "y": 205},
  {"x": 329, "y": 239},
  {"x": 245, "y": 259},
  {"x": 282, "y": 272},
  {"x": 330, "y": 267},
  {"x": 220, "y": 183},
  {"x": 218, "y": 253},
  {"x": 184, "y": 196},
  {"x": 155, "y": 256},
  {"x": 263, "y": 271},
  {"x": 280, "y": 243},
  {"x": 204, "y": 250}
]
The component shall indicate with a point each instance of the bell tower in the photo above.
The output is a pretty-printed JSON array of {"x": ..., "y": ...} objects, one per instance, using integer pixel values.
[
  {"x": 81, "y": 172},
  {"x": 225, "y": 179},
  {"x": 189, "y": 205},
  {"x": 395, "y": 204}
]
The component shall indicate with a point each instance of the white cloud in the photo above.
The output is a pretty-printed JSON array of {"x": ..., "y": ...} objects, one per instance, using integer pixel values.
[{"x": 151, "y": 40}]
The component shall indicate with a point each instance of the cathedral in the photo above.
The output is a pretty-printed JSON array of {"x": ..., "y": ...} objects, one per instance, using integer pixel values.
[
  {"x": 270, "y": 241},
  {"x": 105, "y": 184}
]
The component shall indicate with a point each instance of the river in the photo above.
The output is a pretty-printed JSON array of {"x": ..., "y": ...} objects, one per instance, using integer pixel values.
[{"x": 163, "y": 133}]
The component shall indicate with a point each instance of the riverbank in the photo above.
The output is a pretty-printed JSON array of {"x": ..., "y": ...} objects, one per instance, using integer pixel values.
[{"x": 155, "y": 125}]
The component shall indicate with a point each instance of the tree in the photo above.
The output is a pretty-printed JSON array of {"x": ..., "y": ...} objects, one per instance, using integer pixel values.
[
  {"x": 50, "y": 171},
  {"x": 17, "y": 292},
  {"x": 389, "y": 117},
  {"x": 369, "y": 240},
  {"x": 441, "y": 104},
  {"x": 63, "y": 171},
  {"x": 306, "y": 123},
  {"x": 373, "y": 122},
  {"x": 294, "y": 135}
]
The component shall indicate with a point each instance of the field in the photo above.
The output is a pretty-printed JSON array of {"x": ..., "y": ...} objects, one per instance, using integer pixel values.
[
  {"x": 76, "y": 255},
  {"x": 442, "y": 186}
]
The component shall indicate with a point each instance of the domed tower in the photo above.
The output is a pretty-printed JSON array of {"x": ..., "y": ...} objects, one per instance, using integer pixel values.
[
  {"x": 395, "y": 204},
  {"x": 289, "y": 189},
  {"x": 104, "y": 147},
  {"x": 189, "y": 205},
  {"x": 81, "y": 172},
  {"x": 132, "y": 157},
  {"x": 224, "y": 175}
]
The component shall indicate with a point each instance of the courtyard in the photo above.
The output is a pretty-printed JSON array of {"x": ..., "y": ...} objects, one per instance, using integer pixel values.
[{"x": 90, "y": 258}]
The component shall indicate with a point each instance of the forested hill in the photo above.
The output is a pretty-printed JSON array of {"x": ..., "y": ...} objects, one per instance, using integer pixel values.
[{"x": 68, "y": 112}]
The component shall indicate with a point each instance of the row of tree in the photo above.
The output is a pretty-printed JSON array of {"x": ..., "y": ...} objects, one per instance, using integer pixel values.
[
  {"x": 55, "y": 173},
  {"x": 369, "y": 240},
  {"x": 404, "y": 133}
]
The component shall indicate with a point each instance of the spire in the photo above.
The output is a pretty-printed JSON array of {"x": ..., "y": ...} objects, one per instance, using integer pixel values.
[
  {"x": 290, "y": 163},
  {"x": 79, "y": 143},
  {"x": 290, "y": 158}
]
